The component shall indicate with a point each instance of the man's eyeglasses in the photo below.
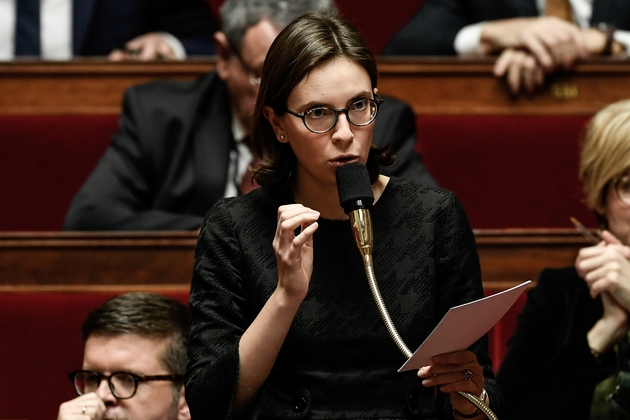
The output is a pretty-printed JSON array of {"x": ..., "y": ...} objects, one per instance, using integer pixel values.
[
  {"x": 322, "y": 118},
  {"x": 122, "y": 384},
  {"x": 622, "y": 189},
  {"x": 252, "y": 75}
]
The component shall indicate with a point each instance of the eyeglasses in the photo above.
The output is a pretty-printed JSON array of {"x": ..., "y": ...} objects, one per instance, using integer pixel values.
[
  {"x": 122, "y": 384},
  {"x": 622, "y": 189},
  {"x": 322, "y": 118}
]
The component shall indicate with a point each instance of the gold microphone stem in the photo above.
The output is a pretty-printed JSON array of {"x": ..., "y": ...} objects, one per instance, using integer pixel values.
[{"x": 361, "y": 222}]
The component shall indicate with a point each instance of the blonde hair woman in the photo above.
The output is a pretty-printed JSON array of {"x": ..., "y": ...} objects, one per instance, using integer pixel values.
[{"x": 569, "y": 353}]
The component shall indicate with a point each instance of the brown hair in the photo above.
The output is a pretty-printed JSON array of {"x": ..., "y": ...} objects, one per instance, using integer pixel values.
[
  {"x": 605, "y": 154},
  {"x": 146, "y": 315},
  {"x": 311, "y": 40}
]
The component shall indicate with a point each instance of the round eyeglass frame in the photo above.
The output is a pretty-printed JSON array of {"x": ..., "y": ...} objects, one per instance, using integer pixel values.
[
  {"x": 136, "y": 379},
  {"x": 377, "y": 101}
]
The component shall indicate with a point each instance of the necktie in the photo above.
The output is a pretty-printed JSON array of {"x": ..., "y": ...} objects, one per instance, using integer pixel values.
[
  {"x": 27, "y": 41},
  {"x": 560, "y": 9}
]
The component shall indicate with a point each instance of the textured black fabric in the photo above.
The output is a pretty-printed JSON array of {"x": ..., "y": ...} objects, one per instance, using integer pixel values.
[
  {"x": 548, "y": 371},
  {"x": 338, "y": 359}
]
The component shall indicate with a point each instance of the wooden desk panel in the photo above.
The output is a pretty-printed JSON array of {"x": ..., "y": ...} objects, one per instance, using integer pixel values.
[
  {"x": 114, "y": 261},
  {"x": 433, "y": 86}
]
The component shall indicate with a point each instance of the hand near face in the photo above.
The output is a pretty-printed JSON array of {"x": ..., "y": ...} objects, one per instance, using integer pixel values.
[
  {"x": 294, "y": 251},
  {"x": 73, "y": 409},
  {"x": 151, "y": 46},
  {"x": 447, "y": 373},
  {"x": 606, "y": 269}
]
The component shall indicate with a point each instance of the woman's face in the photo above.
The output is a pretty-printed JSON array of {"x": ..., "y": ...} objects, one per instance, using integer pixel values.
[
  {"x": 618, "y": 215},
  {"x": 336, "y": 84}
]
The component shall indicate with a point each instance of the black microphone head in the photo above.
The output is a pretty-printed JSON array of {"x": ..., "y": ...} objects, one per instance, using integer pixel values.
[{"x": 355, "y": 189}]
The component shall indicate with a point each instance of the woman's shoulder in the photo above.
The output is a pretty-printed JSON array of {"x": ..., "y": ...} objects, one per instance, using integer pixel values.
[
  {"x": 254, "y": 205},
  {"x": 406, "y": 186},
  {"x": 401, "y": 189}
]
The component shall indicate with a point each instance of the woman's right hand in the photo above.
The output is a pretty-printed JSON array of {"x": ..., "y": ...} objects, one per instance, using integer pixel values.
[{"x": 294, "y": 253}]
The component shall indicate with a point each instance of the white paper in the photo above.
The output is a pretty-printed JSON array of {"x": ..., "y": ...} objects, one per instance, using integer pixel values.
[{"x": 463, "y": 325}]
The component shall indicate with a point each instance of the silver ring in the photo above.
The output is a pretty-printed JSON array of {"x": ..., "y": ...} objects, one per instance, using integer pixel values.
[
  {"x": 84, "y": 409},
  {"x": 467, "y": 374}
]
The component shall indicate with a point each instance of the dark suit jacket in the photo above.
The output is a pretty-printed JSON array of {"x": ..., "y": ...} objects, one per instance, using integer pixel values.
[
  {"x": 99, "y": 26},
  {"x": 549, "y": 371},
  {"x": 168, "y": 163},
  {"x": 433, "y": 28}
]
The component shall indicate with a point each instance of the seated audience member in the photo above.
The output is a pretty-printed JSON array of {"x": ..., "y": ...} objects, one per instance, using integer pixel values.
[
  {"x": 570, "y": 348},
  {"x": 533, "y": 37},
  {"x": 184, "y": 145},
  {"x": 134, "y": 361},
  {"x": 120, "y": 29}
]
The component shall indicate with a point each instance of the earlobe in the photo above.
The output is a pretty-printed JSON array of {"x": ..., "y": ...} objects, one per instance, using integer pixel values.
[
  {"x": 276, "y": 123},
  {"x": 184, "y": 412}
]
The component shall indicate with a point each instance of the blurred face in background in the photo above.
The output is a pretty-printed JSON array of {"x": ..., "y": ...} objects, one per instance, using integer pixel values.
[{"x": 241, "y": 71}]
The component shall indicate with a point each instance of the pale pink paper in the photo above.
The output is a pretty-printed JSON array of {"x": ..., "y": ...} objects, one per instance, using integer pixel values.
[{"x": 463, "y": 325}]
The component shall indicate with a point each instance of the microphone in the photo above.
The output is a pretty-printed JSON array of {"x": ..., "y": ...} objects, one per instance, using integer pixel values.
[{"x": 356, "y": 198}]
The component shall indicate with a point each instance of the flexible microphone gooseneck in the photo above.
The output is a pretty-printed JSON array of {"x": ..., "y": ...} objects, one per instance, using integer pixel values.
[{"x": 356, "y": 198}]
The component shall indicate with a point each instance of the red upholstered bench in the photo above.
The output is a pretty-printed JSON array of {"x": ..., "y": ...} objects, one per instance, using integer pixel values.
[
  {"x": 44, "y": 160},
  {"x": 508, "y": 171},
  {"x": 41, "y": 341}
]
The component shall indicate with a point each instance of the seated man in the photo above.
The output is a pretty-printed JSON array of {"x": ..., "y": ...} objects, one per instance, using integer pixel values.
[
  {"x": 532, "y": 37},
  {"x": 183, "y": 145},
  {"x": 134, "y": 361},
  {"x": 122, "y": 29}
]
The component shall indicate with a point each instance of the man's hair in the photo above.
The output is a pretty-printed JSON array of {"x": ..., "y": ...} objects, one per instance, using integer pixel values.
[
  {"x": 239, "y": 15},
  {"x": 605, "y": 153},
  {"x": 312, "y": 40},
  {"x": 147, "y": 315}
]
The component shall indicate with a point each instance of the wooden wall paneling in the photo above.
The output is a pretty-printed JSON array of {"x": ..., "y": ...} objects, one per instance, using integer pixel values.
[{"x": 112, "y": 260}]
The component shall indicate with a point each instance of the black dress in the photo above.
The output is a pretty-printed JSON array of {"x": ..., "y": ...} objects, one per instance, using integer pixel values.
[{"x": 338, "y": 359}]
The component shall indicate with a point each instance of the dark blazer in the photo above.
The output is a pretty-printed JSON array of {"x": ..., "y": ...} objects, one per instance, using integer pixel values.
[
  {"x": 99, "y": 26},
  {"x": 168, "y": 163},
  {"x": 549, "y": 371},
  {"x": 433, "y": 29}
]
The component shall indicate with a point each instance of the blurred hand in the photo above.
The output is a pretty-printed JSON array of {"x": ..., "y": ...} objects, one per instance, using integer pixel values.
[
  {"x": 520, "y": 69},
  {"x": 553, "y": 42},
  {"x": 447, "y": 372},
  {"x": 606, "y": 268},
  {"x": 73, "y": 409},
  {"x": 151, "y": 46}
]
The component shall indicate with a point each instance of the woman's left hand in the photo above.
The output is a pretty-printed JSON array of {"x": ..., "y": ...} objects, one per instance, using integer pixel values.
[
  {"x": 453, "y": 372},
  {"x": 607, "y": 269}
]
